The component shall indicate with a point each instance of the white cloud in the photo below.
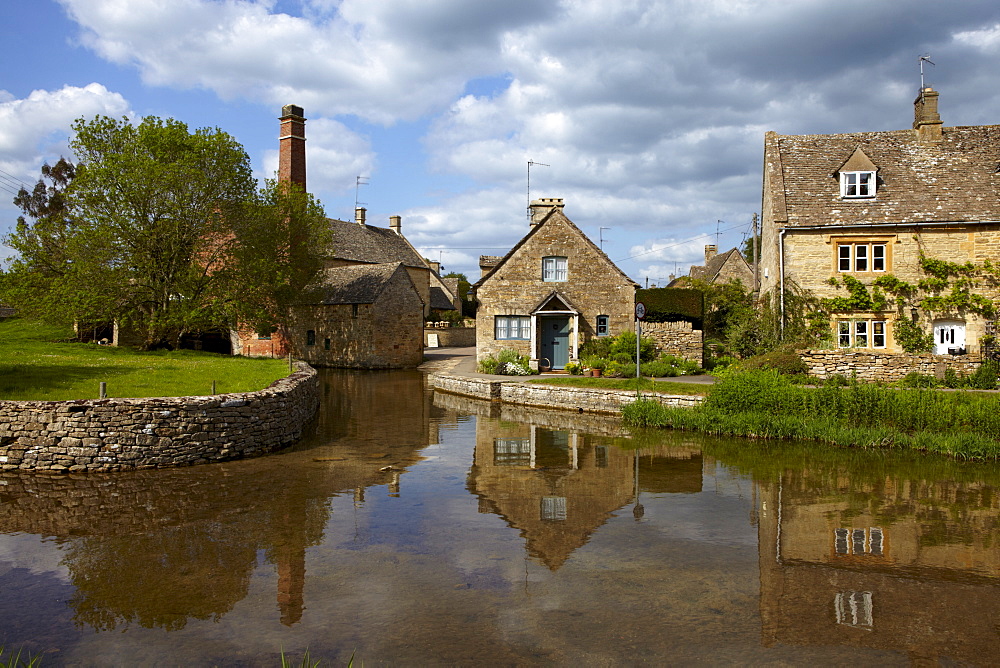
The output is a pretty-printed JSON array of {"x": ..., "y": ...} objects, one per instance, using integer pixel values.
[{"x": 334, "y": 157}]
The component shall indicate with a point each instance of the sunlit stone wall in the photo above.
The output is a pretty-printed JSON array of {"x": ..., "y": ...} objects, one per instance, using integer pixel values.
[
  {"x": 884, "y": 366},
  {"x": 121, "y": 434},
  {"x": 680, "y": 339}
]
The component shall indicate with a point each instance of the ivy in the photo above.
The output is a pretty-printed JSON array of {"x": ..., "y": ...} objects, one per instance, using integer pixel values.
[
  {"x": 911, "y": 337},
  {"x": 954, "y": 295},
  {"x": 859, "y": 300}
]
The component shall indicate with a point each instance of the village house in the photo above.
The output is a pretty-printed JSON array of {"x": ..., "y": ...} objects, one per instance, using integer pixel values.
[
  {"x": 871, "y": 220},
  {"x": 552, "y": 292},
  {"x": 360, "y": 314},
  {"x": 718, "y": 268}
]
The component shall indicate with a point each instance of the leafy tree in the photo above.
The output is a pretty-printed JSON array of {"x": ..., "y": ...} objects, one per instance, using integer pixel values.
[{"x": 161, "y": 230}]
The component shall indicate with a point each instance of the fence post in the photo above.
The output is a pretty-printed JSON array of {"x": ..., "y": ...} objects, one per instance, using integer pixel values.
[{"x": 104, "y": 390}]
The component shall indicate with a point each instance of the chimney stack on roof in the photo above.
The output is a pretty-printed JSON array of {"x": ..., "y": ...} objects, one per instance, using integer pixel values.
[
  {"x": 396, "y": 224},
  {"x": 926, "y": 120},
  {"x": 292, "y": 146},
  {"x": 359, "y": 215},
  {"x": 711, "y": 250},
  {"x": 487, "y": 262},
  {"x": 541, "y": 207}
]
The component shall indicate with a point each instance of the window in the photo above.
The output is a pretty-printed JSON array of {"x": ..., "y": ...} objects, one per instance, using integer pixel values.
[
  {"x": 326, "y": 344},
  {"x": 263, "y": 336},
  {"x": 854, "y": 608},
  {"x": 554, "y": 508},
  {"x": 857, "y": 184},
  {"x": 861, "y": 257},
  {"x": 602, "y": 325},
  {"x": 512, "y": 451},
  {"x": 311, "y": 337},
  {"x": 554, "y": 269},
  {"x": 859, "y": 541},
  {"x": 861, "y": 333},
  {"x": 512, "y": 327},
  {"x": 354, "y": 310}
]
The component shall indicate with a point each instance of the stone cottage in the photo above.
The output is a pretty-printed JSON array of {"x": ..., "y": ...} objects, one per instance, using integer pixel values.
[
  {"x": 370, "y": 250},
  {"x": 852, "y": 215},
  {"x": 361, "y": 316},
  {"x": 718, "y": 268},
  {"x": 552, "y": 292}
]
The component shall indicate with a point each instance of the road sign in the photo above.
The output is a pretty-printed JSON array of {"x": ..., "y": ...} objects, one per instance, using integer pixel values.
[{"x": 640, "y": 310}]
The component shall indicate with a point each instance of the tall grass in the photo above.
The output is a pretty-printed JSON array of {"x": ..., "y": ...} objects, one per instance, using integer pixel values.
[
  {"x": 14, "y": 660},
  {"x": 42, "y": 363},
  {"x": 763, "y": 404}
]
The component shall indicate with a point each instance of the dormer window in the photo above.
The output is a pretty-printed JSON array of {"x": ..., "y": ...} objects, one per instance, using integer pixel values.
[{"x": 857, "y": 184}]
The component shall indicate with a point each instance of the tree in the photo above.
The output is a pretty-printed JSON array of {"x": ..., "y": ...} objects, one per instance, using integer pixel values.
[{"x": 161, "y": 231}]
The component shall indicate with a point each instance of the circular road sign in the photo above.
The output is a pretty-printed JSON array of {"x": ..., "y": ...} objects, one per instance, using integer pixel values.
[{"x": 640, "y": 310}]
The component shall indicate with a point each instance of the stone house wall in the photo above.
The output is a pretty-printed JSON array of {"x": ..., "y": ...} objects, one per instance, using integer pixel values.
[
  {"x": 676, "y": 338},
  {"x": 387, "y": 334},
  {"x": 594, "y": 286},
  {"x": 884, "y": 366},
  {"x": 162, "y": 432}
]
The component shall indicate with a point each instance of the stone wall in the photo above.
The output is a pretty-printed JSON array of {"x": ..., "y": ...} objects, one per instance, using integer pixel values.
[
  {"x": 883, "y": 366},
  {"x": 452, "y": 337},
  {"x": 162, "y": 432},
  {"x": 576, "y": 399},
  {"x": 676, "y": 338}
]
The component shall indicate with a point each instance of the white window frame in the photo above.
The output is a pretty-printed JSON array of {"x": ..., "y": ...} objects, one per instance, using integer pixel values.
[
  {"x": 857, "y": 185},
  {"x": 512, "y": 328},
  {"x": 861, "y": 333},
  {"x": 862, "y": 258},
  {"x": 555, "y": 269}
]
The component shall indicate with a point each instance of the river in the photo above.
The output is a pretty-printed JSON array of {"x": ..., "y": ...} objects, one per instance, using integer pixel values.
[{"x": 415, "y": 528}]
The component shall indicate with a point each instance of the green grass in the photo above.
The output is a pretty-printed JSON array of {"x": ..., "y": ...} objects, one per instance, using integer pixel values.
[
  {"x": 38, "y": 362},
  {"x": 14, "y": 659},
  {"x": 645, "y": 384}
]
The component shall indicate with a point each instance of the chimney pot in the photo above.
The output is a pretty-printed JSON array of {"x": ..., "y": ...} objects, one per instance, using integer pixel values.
[
  {"x": 359, "y": 215},
  {"x": 926, "y": 120},
  {"x": 711, "y": 250},
  {"x": 396, "y": 224},
  {"x": 541, "y": 207}
]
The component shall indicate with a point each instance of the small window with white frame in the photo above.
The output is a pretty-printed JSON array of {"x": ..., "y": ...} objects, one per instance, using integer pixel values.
[
  {"x": 861, "y": 257},
  {"x": 857, "y": 185},
  {"x": 554, "y": 269},
  {"x": 861, "y": 333},
  {"x": 508, "y": 327}
]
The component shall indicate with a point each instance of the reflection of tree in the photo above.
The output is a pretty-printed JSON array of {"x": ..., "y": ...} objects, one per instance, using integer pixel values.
[{"x": 159, "y": 579}]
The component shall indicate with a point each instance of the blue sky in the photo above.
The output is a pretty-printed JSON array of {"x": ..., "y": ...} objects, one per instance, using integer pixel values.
[{"x": 650, "y": 114}]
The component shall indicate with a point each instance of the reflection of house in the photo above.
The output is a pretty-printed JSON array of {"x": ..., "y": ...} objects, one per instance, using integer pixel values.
[
  {"x": 557, "y": 487},
  {"x": 554, "y": 290},
  {"x": 718, "y": 268},
  {"x": 910, "y": 567},
  {"x": 867, "y": 205},
  {"x": 368, "y": 249}
]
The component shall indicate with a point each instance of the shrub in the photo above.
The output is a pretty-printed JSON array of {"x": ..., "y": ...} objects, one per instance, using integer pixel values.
[
  {"x": 488, "y": 365},
  {"x": 985, "y": 377},
  {"x": 917, "y": 379},
  {"x": 783, "y": 362},
  {"x": 573, "y": 368}
]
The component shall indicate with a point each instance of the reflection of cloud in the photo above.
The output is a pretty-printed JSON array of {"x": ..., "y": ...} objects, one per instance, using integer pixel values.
[{"x": 33, "y": 553}]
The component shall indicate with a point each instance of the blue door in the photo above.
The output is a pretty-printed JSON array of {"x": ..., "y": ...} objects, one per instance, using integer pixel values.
[{"x": 555, "y": 341}]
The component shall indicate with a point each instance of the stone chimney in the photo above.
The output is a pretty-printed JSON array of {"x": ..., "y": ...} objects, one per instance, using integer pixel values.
[
  {"x": 359, "y": 215},
  {"x": 292, "y": 146},
  {"x": 541, "y": 207},
  {"x": 435, "y": 266},
  {"x": 396, "y": 224},
  {"x": 487, "y": 262},
  {"x": 926, "y": 120},
  {"x": 711, "y": 250}
]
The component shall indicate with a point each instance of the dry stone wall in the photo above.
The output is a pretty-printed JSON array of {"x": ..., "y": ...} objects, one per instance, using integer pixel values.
[
  {"x": 163, "y": 432},
  {"x": 882, "y": 366},
  {"x": 680, "y": 339},
  {"x": 451, "y": 337}
]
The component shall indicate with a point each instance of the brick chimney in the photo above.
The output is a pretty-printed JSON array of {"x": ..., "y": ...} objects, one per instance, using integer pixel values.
[
  {"x": 926, "y": 120},
  {"x": 541, "y": 207},
  {"x": 396, "y": 224},
  {"x": 359, "y": 215},
  {"x": 292, "y": 146},
  {"x": 711, "y": 250}
]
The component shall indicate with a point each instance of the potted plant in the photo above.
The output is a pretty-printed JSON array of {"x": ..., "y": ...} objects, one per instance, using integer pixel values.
[{"x": 597, "y": 367}]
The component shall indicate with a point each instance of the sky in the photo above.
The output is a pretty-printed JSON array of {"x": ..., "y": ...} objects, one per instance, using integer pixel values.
[{"x": 646, "y": 116}]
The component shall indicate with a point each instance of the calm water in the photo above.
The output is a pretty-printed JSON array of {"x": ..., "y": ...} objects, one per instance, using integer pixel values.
[{"x": 423, "y": 529}]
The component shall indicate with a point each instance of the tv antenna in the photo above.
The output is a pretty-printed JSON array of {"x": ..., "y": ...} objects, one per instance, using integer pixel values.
[
  {"x": 358, "y": 182},
  {"x": 924, "y": 58},
  {"x": 530, "y": 163},
  {"x": 600, "y": 234},
  {"x": 718, "y": 234}
]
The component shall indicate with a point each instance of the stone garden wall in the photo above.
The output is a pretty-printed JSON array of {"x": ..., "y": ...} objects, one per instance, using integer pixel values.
[
  {"x": 122, "y": 434},
  {"x": 451, "y": 337},
  {"x": 675, "y": 338},
  {"x": 884, "y": 366}
]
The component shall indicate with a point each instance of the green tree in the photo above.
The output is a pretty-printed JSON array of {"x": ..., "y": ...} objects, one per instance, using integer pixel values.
[{"x": 162, "y": 231}]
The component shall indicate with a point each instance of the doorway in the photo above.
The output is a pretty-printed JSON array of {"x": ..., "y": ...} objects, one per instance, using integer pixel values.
[
  {"x": 949, "y": 337},
  {"x": 555, "y": 340}
]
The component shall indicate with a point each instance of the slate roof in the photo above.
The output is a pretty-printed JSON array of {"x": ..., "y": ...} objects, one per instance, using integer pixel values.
[
  {"x": 954, "y": 180},
  {"x": 440, "y": 299},
  {"x": 356, "y": 284},
  {"x": 366, "y": 243},
  {"x": 710, "y": 271}
]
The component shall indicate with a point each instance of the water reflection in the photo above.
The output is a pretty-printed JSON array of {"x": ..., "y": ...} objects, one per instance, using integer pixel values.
[{"x": 420, "y": 528}]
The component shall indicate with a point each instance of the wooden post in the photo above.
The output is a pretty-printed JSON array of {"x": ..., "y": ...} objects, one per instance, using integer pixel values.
[
  {"x": 290, "y": 368},
  {"x": 213, "y": 387},
  {"x": 104, "y": 390}
]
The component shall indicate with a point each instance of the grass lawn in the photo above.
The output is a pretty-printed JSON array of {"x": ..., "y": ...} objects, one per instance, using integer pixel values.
[
  {"x": 37, "y": 363},
  {"x": 625, "y": 384}
]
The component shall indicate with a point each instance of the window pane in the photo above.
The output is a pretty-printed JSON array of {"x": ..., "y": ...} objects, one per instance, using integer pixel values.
[
  {"x": 878, "y": 334},
  {"x": 844, "y": 333},
  {"x": 878, "y": 257},
  {"x": 602, "y": 325},
  {"x": 850, "y": 185},
  {"x": 501, "y": 323},
  {"x": 861, "y": 333},
  {"x": 861, "y": 258},
  {"x": 554, "y": 508},
  {"x": 525, "y": 328},
  {"x": 844, "y": 257},
  {"x": 561, "y": 269}
]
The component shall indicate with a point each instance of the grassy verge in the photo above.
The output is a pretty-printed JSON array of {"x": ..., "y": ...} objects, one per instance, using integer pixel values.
[
  {"x": 645, "y": 384},
  {"x": 765, "y": 405},
  {"x": 36, "y": 362}
]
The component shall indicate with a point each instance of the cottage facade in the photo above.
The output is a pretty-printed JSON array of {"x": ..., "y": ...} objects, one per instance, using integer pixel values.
[
  {"x": 551, "y": 293},
  {"x": 718, "y": 268},
  {"x": 846, "y": 215}
]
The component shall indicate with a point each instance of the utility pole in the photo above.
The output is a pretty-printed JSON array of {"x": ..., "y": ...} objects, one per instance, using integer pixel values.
[{"x": 756, "y": 260}]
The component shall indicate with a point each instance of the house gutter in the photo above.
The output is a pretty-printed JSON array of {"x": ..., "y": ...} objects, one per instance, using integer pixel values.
[{"x": 867, "y": 226}]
